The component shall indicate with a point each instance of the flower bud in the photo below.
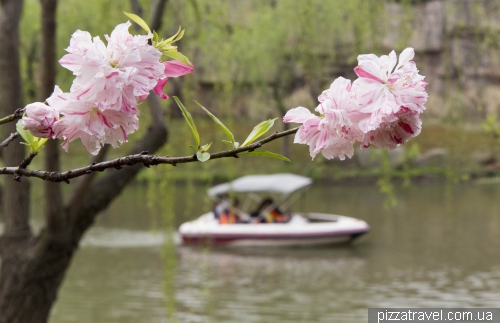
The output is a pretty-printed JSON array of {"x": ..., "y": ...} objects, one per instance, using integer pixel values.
[{"x": 39, "y": 118}]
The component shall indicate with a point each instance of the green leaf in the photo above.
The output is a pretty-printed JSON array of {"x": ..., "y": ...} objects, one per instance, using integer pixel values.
[
  {"x": 177, "y": 56},
  {"x": 179, "y": 37},
  {"x": 174, "y": 37},
  {"x": 37, "y": 144},
  {"x": 33, "y": 142},
  {"x": 267, "y": 154},
  {"x": 190, "y": 121},
  {"x": 205, "y": 147},
  {"x": 258, "y": 131},
  {"x": 25, "y": 134},
  {"x": 228, "y": 142},
  {"x": 155, "y": 37},
  {"x": 228, "y": 133},
  {"x": 138, "y": 20},
  {"x": 41, "y": 142},
  {"x": 202, "y": 156}
]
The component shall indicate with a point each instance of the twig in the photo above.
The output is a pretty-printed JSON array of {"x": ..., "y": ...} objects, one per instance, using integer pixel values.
[
  {"x": 142, "y": 158},
  {"x": 9, "y": 139},
  {"x": 23, "y": 165},
  {"x": 18, "y": 114}
]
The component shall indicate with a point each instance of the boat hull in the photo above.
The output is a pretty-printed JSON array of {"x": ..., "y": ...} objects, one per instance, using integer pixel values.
[{"x": 299, "y": 232}]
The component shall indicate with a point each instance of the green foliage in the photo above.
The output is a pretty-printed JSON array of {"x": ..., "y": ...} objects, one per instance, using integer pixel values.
[
  {"x": 251, "y": 44},
  {"x": 492, "y": 126},
  {"x": 138, "y": 20},
  {"x": 267, "y": 154},
  {"x": 219, "y": 123},
  {"x": 384, "y": 182},
  {"x": 412, "y": 151},
  {"x": 177, "y": 56},
  {"x": 202, "y": 156},
  {"x": 258, "y": 131},
  {"x": 31, "y": 141},
  {"x": 190, "y": 122},
  {"x": 201, "y": 151},
  {"x": 166, "y": 48}
]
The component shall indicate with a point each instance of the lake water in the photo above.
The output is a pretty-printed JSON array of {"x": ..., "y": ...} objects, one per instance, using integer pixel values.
[{"x": 438, "y": 247}]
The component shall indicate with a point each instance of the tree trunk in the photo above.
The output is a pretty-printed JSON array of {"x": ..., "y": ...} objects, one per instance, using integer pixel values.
[
  {"x": 30, "y": 279},
  {"x": 16, "y": 195},
  {"x": 32, "y": 269}
]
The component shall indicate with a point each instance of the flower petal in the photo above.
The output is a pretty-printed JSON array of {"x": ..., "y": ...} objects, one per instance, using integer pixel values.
[{"x": 176, "y": 68}]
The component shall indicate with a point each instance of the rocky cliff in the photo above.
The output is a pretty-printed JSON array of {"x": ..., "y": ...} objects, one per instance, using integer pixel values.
[{"x": 457, "y": 42}]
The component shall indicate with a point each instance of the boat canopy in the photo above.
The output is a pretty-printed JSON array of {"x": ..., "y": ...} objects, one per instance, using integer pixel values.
[{"x": 276, "y": 183}]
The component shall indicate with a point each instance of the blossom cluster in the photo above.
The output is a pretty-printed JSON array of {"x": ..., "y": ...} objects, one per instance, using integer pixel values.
[
  {"x": 101, "y": 106},
  {"x": 381, "y": 108}
]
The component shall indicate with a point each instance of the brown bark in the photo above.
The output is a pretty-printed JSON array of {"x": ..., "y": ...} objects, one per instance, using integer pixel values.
[
  {"x": 16, "y": 195},
  {"x": 143, "y": 158},
  {"x": 30, "y": 278},
  {"x": 17, "y": 232},
  {"x": 17, "y": 275}
]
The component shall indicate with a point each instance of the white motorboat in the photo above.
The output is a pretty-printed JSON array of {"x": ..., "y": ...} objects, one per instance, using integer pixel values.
[{"x": 300, "y": 229}]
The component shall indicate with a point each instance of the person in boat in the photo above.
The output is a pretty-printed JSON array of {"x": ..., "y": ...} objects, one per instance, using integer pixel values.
[
  {"x": 232, "y": 214},
  {"x": 267, "y": 212},
  {"x": 221, "y": 205}
]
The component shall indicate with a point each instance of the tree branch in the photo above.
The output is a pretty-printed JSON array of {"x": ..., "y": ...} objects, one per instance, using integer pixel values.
[
  {"x": 18, "y": 114},
  {"x": 9, "y": 139},
  {"x": 141, "y": 158},
  {"x": 23, "y": 165}
]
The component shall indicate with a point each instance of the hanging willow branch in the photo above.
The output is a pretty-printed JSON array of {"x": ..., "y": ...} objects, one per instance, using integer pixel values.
[{"x": 142, "y": 158}]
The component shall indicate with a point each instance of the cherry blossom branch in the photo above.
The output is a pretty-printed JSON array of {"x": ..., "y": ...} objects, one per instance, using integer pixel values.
[
  {"x": 9, "y": 139},
  {"x": 18, "y": 114},
  {"x": 142, "y": 158},
  {"x": 23, "y": 165}
]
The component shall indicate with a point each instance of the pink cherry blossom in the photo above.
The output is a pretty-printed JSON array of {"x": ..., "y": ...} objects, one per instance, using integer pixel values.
[
  {"x": 332, "y": 133},
  {"x": 101, "y": 107},
  {"x": 406, "y": 125},
  {"x": 384, "y": 88},
  {"x": 382, "y": 108},
  {"x": 172, "y": 69},
  {"x": 84, "y": 120},
  {"x": 39, "y": 119},
  {"x": 338, "y": 96},
  {"x": 113, "y": 76}
]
